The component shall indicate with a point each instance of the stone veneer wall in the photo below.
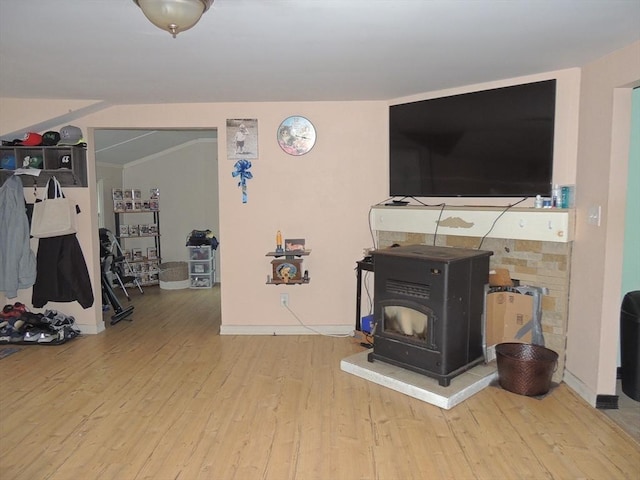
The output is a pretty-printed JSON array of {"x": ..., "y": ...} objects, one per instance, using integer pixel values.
[{"x": 534, "y": 263}]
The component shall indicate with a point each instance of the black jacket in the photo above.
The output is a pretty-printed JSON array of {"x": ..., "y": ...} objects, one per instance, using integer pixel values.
[{"x": 62, "y": 274}]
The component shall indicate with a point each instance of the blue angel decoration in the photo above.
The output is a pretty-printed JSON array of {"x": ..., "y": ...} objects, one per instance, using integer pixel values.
[{"x": 242, "y": 170}]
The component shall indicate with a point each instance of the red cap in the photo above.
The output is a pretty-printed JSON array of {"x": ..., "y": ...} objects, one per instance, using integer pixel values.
[{"x": 31, "y": 139}]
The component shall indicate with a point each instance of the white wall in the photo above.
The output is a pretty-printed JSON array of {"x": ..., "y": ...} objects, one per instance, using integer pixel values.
[
  {"x": 603, "y": 153},
  {"x": 187, "y": 177},
  {"x": 111, "y": 176}
]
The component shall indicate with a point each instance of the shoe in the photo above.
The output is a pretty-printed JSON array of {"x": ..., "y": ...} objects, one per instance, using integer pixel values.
[
  {"x": 58, "y": 319},
  {"x": 57, "y": 337},
  {"x": 32, "y": 335},
  {"x": 34, "y": 319},
  {"x": 12, "y": 311},
  {"x": 5, "y": 335}
]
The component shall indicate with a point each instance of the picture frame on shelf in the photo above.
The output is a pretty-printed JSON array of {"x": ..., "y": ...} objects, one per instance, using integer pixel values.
[
  {"x": 134, "y": 230},
  {"x": 116, "y": 193},
  {"x": 294, "y": 245},
  {"x": 154, "y": 205},
  {"x": 154, "y": 193},
  {"x": 118, "y": 206},
  {"x": 152, "y": 253},
  {"x": 136, "y": 254},
  {"x": 124, "y": 230}
]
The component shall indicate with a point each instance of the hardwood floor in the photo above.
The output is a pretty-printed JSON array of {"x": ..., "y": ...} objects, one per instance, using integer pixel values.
[{"x": 166, "y": 397}]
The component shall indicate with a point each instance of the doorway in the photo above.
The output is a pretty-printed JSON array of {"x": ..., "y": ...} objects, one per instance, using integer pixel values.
[{"x": 181, "y": 164}]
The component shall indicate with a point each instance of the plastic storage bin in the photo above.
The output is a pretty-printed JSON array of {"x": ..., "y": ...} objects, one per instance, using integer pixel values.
[{"x": 201, "y": 266}]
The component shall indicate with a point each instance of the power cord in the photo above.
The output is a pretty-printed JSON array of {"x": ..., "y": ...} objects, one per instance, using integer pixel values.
[
  {"x": 335, "y": 335},
  {"x": 498, "y": 218}
]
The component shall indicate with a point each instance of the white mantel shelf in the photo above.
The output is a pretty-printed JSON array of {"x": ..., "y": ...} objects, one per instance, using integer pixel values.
[{"x": 541, "y": 224}]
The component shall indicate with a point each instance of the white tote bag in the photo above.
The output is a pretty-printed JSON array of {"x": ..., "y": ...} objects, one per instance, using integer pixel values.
[{"x": 54, "y": 216}]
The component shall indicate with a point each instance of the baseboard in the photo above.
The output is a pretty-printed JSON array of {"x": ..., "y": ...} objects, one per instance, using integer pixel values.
[
  {"x": 91, "y": 329},
  {"x": 579, "y": 387},
  {"x": 339, "y": 330},
  {"x": 607, "y": 402}
]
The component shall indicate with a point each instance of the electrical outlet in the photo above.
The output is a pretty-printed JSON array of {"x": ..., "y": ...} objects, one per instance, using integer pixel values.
[{"x": 284, "y": 299}]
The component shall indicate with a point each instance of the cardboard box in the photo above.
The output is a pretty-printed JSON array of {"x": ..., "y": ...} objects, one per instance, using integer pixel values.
[{"x": 509, "y": 318}]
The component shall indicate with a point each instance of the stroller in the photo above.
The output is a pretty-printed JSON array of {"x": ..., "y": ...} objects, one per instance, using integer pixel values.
[{"x": 112, "y": 271}]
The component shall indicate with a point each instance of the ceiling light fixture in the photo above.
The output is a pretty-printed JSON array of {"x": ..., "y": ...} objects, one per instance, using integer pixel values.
[{"x": 174, "y": 16}]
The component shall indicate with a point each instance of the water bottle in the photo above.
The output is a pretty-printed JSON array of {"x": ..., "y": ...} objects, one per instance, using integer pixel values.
[{"x": 555, "y": 196}]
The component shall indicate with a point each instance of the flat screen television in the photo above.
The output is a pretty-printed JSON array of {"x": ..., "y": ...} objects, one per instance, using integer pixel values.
[{"x": 491, "y": 143}]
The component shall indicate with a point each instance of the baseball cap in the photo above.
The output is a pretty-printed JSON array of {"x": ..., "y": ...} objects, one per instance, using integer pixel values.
[
  {"x": 50, "y": 138},
  {"x": 70, "y": 135},
  {"x": 8, "y": 161},
  {"x": 64, "y": 161},
  {"x": 32, "y": 161},
  {"x": 31, "y": 139}
]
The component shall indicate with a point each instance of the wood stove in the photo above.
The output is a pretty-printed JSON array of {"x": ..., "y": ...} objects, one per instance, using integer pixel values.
[{"x": 428, "y": 306}]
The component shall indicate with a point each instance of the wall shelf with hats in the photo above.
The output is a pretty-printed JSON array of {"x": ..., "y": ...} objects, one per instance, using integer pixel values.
[
  {"x": 36, "y": 158},
  {"x": 36, "y": 164}
]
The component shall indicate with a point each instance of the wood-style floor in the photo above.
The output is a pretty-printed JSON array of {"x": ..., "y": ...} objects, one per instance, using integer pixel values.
[{"x": 166, "y": 397}]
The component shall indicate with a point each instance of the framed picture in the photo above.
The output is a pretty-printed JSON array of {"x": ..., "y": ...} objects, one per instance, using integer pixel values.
[
  {"x": 294, "y": 245},
  {"x": 136, "y": 254},
  {"x": 152, "y": 253},
  {"x": 124, "y": 230},
  {"x": 118, "y": 206},
  {"x": 242, "y": 138},
  {"x": 116, "y": 193},
  {"x": 154, "y": 205}
]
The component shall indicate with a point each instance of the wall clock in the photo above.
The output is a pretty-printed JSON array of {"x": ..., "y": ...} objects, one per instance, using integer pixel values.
[{"x": 296, "y": 135}]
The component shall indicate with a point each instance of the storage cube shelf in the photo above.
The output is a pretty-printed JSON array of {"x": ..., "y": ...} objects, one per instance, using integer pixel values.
[
  {"x": 67, "y": 163},
  {"x": 202, "y": 267}
]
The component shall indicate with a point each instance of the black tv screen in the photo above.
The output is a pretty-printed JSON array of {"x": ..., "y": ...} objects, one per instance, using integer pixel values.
[{"x": 491, "y": 143}]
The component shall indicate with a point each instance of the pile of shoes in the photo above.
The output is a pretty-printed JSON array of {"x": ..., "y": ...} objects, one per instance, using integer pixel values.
[{"x": 19, "y": 326}]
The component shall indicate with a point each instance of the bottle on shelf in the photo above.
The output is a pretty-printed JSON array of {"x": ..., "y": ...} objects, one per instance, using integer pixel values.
[{"x": 555, "y": 196}]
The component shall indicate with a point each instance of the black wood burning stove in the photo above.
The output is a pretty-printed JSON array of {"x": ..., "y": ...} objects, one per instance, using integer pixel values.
[{"x": 428, "y": 305}]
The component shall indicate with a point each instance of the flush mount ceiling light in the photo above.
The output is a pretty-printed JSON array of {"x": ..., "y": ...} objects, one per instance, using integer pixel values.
[{"x": 174, "y": 16}]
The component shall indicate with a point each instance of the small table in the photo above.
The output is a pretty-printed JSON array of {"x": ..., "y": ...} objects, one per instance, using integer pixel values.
[{"x": 367, "y": 265}]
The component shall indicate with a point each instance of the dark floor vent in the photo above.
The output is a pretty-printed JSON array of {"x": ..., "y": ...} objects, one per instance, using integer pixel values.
[{"x": 607, "y": 402}]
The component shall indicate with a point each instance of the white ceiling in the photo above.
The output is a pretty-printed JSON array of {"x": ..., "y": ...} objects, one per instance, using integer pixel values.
[
  {"x": 120, "y": 147},
  {"x": 297, "y": 50}
]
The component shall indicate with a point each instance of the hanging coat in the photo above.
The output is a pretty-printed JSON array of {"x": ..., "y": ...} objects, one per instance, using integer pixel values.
[
  {"x": 17, "y": 261},
  {"x": 62, "y": 273}
]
